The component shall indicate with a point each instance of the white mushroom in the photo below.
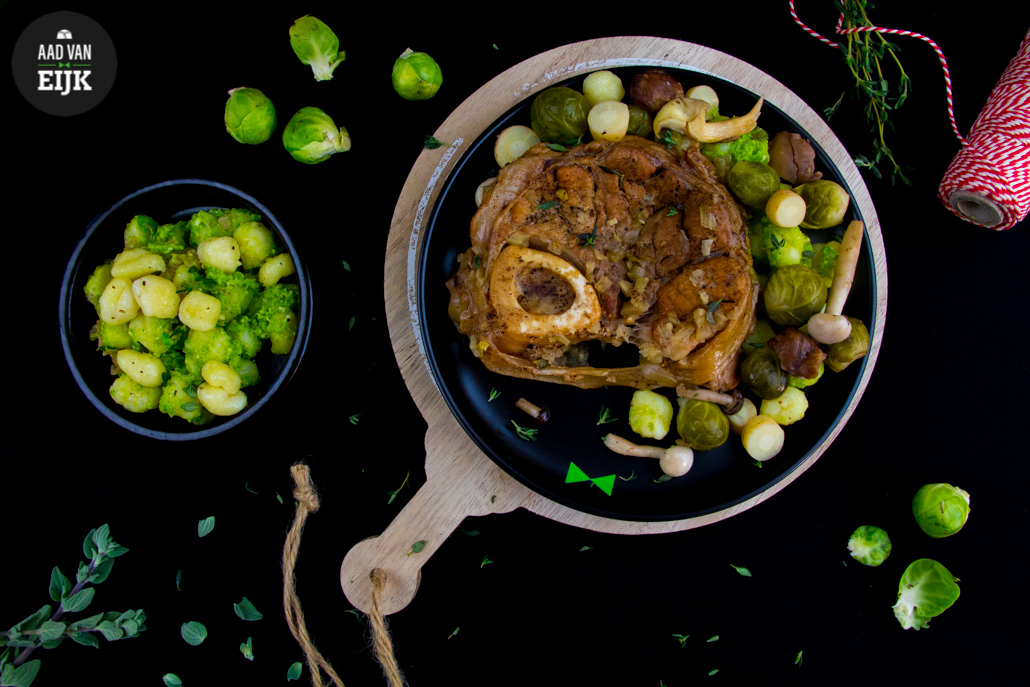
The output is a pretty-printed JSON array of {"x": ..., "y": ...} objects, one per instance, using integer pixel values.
[
  {"x": 831, "y": 326},
  {"x": 730, "y": 402},
  {"x": 687, "y": 116},
  {"x": 675, "y": 461},
  {"x": 536, "y": 412}
]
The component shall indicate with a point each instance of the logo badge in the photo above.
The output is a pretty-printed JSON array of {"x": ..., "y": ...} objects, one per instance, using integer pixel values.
[{"x": 64, "y": 63}]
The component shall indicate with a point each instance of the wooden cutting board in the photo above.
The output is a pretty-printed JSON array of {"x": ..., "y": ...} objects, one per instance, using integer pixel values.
[{"x": 460, "y": 479}]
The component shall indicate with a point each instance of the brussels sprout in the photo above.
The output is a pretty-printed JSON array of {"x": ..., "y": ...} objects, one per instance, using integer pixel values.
[
  {"x": 926, "y": 590},
  {"x": 416, "y": 76},
  {"x": 826, "y": 202},
  {"x": 940, "y": 509},
  {"x": 869, "y": 545},
  {"x": 824, "y": 259},
  {"x": 753, "y": 183},
  {"x": 840, "y": 355},
  {"x": 802, "y": 382},
  {"x": 762, "y": 373},
  {"x": 249, "y": 116},
  {"x": 316, "y": 45},
  {"x": 639, "y": 121},
  {"x": 650, "y": 414},
  {"x": 756, "y": 340},
  {"x": 701, "y": 424},
  {"x": 559, "y": 115},
  {"x": 794, "y": 294},
  {"x": 311, "y": 136},
  {"x": 139, "y": 230},
  {"x": 786, "y": 246}
]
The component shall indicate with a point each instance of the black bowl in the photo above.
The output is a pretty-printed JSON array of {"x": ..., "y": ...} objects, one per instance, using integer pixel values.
[
  {"x": 721, "y": 478},
  {"x": 169, "y": 201}
]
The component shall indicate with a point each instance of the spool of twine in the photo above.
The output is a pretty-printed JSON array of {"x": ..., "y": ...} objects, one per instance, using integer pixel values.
[{"x": 988, "y": 181}]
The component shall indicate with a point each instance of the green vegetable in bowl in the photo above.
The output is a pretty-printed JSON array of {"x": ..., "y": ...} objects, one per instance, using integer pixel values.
[
  {"x": 826, "y": 203},
  {"x": 840, "y": 355},
  {"x": 794, "y": 293},
  {"x": 650, "y": 414},
  {"x": 701, "y": 424},
  {"x": 940, "y": 510},
  {"x": 416, "y": 76},
  {"x": 311, "y": 136},
  {"x": 639, "y": 121},
  {"x": 787, "y": 408},
  {"x": 559, "y": 115},
  {"x": 787, "y": 246},
  {"x": 762, "y": 373},
  {"x": 249, "y": 116},
  {"x": 869, "y": 545},
  {"x": 753, "y": 182},
  {"x": 926, "y": 590},
  {"x": 317, "y": 46}
]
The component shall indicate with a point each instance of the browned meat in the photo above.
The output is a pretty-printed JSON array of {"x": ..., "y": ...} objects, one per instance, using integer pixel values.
[{"x": 624, "y": 242}]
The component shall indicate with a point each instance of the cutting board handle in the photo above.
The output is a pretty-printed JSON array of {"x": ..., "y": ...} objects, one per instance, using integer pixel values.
[{"x": 458, "y": 484}]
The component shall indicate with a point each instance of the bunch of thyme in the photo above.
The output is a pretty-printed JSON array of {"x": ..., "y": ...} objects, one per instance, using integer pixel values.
[{"x": 865, "y": 54}]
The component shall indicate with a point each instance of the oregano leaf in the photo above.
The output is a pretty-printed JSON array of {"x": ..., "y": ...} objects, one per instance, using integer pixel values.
[
  {"x": 87, "y": 623},
  {"x": 74, "y": 604},
  {"x": 172, "y": 680},
  {"x": 110, "y": 631},
  {"x": 22, "y": 676},
  {"x": 245, "y": 609},
  {"x": 193, "y": 633},
  {"x": 294, "y": 672},
  {"x": 51, "y": 630},
  {"x": 247, "y": 649},
  {"x": 205, "y": 526},
  {"x": 34, "y": 620},
  {"x": 59, "y": 584},
  {"x": 101, "y": 571},
  {"x": 86, "y": 639}
]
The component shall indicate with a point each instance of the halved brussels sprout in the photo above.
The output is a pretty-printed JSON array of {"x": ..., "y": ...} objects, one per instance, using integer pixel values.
[
  {"x": 639, "y": 121},
  {"x": 753, "y": 183},
  {"x": 559, "y": 115},
  {"x": 794, "y": 293},
  {"x": 840, "y": 355},
  {"x": 826, "y": 203},
  {"x": 701, "y": 424},
  {"x": 762, "y": 373}
]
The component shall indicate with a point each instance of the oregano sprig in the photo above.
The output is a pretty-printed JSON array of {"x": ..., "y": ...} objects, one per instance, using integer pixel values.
[{"x": 47, "y": 630}]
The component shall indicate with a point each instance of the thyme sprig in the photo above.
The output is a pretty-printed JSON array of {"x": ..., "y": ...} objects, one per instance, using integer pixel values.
[{"x": 866, "y": 53}]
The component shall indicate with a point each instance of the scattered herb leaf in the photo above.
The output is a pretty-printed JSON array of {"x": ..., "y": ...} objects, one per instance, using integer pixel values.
[
  {"x": 354, "y": 418},
  {"x": 495, "y": 47},
  {"x": 294, "y": 672},
  {"x": 557, "y": 147},
  {"x": 245, "y": 609},
  {"x": 743, "y": 571},
  {"x": 178, "y": 581},
  {"x": 205, "y": 526},
  {"x": 247, "y": 649},
  {"x": 350, "y": 325},
  {"x": 357, "y": 614},
  {"x": 672, "y": 211},
  {"x": 486, "y": 561},
  {"x": 524, "y": 433},
  {"x": 494, "y": 393},
  {"x": 797, "y": 661},
  {"x": 393, "y": 494},
  {"x": 757, "y": 463},
  {"x": 346, "y": 265},
  {"x": 585, "y": 548},
  {"x": 632, "y": 476},
  {"x": 278, "y": 497},
  {"x": 604, "y": 418},
  {"x": 193, "y": 633},
  {"x": 432, "y": 142},
  {"x": 588, "y": 239},
  {"x": 712, "y": 308},
  {"x": 247, "y": 487},
  {"x": 712, "y": 672},
  {"x": 682, "y": 639},
  {"x": 453, "y": 633},
  {"x": 547, "y": 205},
  {"x": 470, "y": 533},
  {"x": 777, "y": 242},
  {"x": 713, "y": 638},
  {"x": 417, "y": 546},
  {"x": 663, "y": 478},
  {"x": 172, "y": 680}
]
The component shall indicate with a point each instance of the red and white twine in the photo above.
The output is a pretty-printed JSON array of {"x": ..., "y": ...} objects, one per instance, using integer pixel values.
[{"x": 988, "y": 181}]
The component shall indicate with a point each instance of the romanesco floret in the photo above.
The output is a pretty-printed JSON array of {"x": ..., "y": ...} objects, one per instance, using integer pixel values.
[
  {"x": 276, "y": 300},
  {"x": 133, "y": 396},
  {"x": 752, "y": 146},
  {"x": 167, "y": 238},
  {"x": 179, "y": 399},
  {"x": 825, "y": 260},
  {"x": 214, "y": 344},
  {"x": 138, "y": 231},
  {"x": 156, "y": 335}
]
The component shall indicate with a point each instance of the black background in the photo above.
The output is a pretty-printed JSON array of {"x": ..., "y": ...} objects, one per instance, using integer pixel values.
[{"x": 945, "y": 403}]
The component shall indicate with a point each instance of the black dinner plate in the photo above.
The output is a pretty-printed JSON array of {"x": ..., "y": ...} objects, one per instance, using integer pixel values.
[{"x": 720, "y": 478}]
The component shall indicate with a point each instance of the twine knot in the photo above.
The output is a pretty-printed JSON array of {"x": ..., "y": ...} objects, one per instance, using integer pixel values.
[{"x": 304, "y": 491}]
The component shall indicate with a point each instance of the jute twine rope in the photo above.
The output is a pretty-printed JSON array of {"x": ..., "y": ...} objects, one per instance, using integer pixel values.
[
  {"x": 988, "y": 181},
  {"x": 307, "y": 503}
]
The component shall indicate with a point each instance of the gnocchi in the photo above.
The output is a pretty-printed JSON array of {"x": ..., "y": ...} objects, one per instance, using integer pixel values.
[
  {"x": 222, "y": 252},
  {"x": 117, "y": 304},
  {"x": 222, "y": 376},
  {"x": 200, "y": 311},
  {"x": 135, "y": 262},
  {"x": 143, "y": 368},
  {"x": 220, "y": 402},
  {"x": 156, "y": 296},
  {"x": 275, "y": 269}
]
